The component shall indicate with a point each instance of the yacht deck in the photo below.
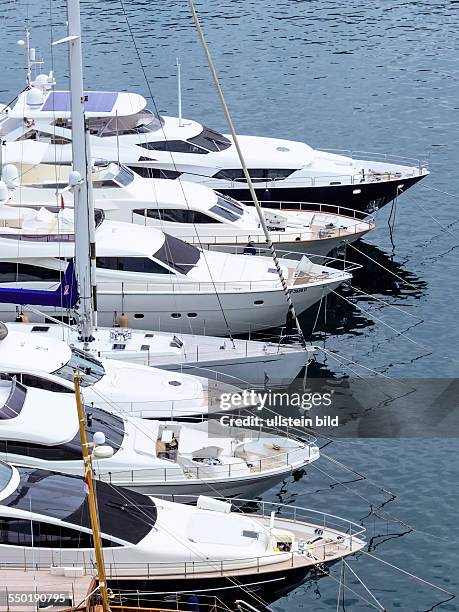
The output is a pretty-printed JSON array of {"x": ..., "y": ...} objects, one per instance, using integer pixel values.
[{"x": 25, "y": 583}]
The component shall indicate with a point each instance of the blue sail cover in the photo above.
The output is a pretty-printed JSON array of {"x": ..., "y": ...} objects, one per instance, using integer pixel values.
[{"x": 65, "y": 296}]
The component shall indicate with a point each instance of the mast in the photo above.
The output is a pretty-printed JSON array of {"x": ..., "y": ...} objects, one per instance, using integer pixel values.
[
  {"x": 291, "y": 308},
  {"x": 92, "y": 504},
  {"x": 84, "y": 213}
]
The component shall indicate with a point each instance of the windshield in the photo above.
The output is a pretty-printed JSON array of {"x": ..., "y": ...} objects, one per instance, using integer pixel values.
[
  {"x": 227, "y": 208},
  {"x": 14, "y": 402},
  {"x": 96, "y": 420},
  {"x": 123, "y": 514},
  {"x": 6, "y": 471},
  {"x": 91, "y": 368},
  {"x": 211, "y": 140},
  {"x": 177, "y": 254},
  {"x": 119, "y": 174},
  {"x": 140, "y": 123}
]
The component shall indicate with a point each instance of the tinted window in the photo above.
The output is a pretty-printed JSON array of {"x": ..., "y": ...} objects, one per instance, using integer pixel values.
[
  {"x": 96, "y": 420},
  {"x": 123, "y": 513},
  {"x": 131, "y": 264},
  {"x": 14, "y": 272},
  {"x": 226, "y": 214},
  {"x": 6, "y": 472},
  {"x": 154, "y": 172},
  {"x": 31, "y": 380},
  {"x": 175, "y": 215},
  {"x": 18, "y": 532},
  {"x": 211, "y": 140},
  {"x": 178, "y": 254},
  {"x": 174, "y": 146},
  {"x": 256, "y": 174}
]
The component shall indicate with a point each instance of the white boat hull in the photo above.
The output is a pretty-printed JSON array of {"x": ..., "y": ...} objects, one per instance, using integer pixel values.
[{"x": 193, "y": 312}]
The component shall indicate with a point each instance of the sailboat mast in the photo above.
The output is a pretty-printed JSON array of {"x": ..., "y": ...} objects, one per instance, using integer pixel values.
[
  {"x": 83, "y": 212},
  {"x": 92, "y": 504}
]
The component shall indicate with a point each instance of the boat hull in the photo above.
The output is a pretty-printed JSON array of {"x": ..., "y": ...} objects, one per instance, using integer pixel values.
[
  {"x": 370, "y": 196},
  {"x": 199, "y": 313},
  {"x": 253, "y": 588},
  {"x": 248, "y": 487}
]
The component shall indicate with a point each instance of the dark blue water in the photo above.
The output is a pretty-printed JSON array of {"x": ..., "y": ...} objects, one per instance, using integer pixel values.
[{"x": 367, "y": 75}]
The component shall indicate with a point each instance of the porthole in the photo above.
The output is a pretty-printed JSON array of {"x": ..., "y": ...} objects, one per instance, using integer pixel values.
[
  {"x": 175, "y": 383},
  {"x": 139, "y": 315},
  {"x": 176, "y": 315},
  {"x": 192, "y": 315},
  {"x": 259, "y": 302},
  {"x": 356, "y": 191}
]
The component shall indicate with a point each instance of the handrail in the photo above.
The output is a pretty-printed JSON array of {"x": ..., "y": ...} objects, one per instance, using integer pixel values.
[
  {"x": 292, "y": 235},
  {"x": 314, "y": 208},
  {"x": 183, "y": 286},
  {"x": 265, "y": 465},
  {"x": 375, "y": 156},
  {"x": 349, "y": 534}
]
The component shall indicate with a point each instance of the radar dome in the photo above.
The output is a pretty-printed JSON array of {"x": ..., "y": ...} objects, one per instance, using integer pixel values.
[{"x": 34, "y": 97}]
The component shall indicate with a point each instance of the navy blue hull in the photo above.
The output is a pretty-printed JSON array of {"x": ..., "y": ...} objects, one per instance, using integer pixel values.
[
  {"x": 370, "y": 196},
  {"x": 254, "y": 588}
]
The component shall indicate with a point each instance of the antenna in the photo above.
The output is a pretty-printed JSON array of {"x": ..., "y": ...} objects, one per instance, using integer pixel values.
[
  {"x": 179, "y": 91},
  {"x": 31, "y": 56}
]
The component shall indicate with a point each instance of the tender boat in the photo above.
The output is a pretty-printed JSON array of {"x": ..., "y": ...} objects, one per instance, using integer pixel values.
[
  {"x": 193, "y": 212},
  {"x": 167, "y": 147},
  {"x": 158, "y": 280},
  {"x": 150, "y": 543},
  {"x": 39, "y": 429}
]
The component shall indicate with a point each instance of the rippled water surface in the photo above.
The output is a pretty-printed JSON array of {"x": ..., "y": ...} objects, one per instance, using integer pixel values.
[{"x": 368, "y": 75}]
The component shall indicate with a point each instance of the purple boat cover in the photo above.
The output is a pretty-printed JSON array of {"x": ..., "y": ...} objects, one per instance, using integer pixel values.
[
  {"x": 65, "y": 296},
  {"x": 98, "y": 101}
]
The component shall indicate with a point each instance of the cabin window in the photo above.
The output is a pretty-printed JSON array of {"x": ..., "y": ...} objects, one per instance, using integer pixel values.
[
  {"x": 126, "y": 515},
  {"x": 18, "y": 272},
  {"x": 256, "y": 174},
  {"x": 131, "y": 264},
  {"x": 18, "y": 532},
  {"x": 175, "y": 215},
  {"x": 37, "y": 382},
  {"x": 173, "y": 146},
  {"x": 154, "y": 172},
  {"x": 98, "y": 420}
]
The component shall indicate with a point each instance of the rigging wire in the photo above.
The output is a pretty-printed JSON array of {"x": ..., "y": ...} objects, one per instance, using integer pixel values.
[
  {"x": 203, "y": 254},
  {"x": 244, "y": 168}
]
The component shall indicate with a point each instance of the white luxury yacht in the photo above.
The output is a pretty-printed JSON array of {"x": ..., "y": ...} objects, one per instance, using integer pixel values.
[
  {"x": 39, "y": 428},
  {"x": 115, "y": 385},
  {"x": 158, "y": 280},
  {"x": 175, "y": 547},
  {"x": 277, "y": 361},
  {"x": 166, "y": 147},
  {"x": 191, "y": 211}
]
